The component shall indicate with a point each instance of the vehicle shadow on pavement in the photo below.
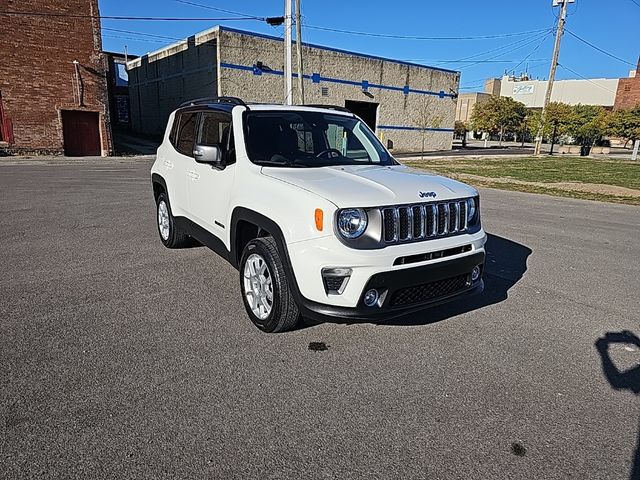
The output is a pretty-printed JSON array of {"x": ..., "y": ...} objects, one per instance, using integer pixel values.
[
  {"x": 505, "y": 265},
  {"x": 622, "y": 380}
]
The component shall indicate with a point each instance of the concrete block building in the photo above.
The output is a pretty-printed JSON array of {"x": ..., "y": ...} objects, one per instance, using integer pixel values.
[
  {"x": 53, "y": 95},
  {"x": 404, "y": 103}
]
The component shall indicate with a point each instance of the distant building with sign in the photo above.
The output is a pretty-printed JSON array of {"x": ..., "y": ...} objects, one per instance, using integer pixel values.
[
  {"x": 402, "y": 102},
  {"x": 596, "y": 91}
]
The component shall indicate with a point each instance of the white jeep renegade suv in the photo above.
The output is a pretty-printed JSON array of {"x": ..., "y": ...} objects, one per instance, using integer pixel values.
[{"x": 317, "y": 216}]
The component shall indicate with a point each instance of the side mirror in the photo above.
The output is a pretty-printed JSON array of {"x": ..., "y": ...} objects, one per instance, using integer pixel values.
[{"x": 210, "y": 154}]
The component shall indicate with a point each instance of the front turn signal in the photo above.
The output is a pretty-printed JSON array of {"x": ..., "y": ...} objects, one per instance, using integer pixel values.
[{"x": 319, "y": 216}]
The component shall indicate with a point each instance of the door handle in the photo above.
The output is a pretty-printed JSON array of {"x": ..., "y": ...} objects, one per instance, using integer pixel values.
[
  {"x": 193, "y": 175},
  {"x": 168, "y": 164}
]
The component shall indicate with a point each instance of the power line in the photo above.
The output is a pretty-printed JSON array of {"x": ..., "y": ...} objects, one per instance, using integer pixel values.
[
  {"x": 373, "y": 34},
  {"x": 598, "y": 48},
  {"x": 506, "y": 52},
  {"x": 217, "y": 9},
  {"x": 532, "y": 51},
  {"x": 144, "y": 40},
  {"x": 587, "y": 79},
  {"x": 414, "y": 37},
  {"x": 119, "y": 17},
  {"x": 140, "y": 33},
  {"x": 463, "y": 61},
  {"x": 493, "y": 50},
  {"x": 634, "y": 1}
]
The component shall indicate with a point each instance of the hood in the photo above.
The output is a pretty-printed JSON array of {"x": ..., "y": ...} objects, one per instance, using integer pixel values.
[{"x": 372, "y": 185}]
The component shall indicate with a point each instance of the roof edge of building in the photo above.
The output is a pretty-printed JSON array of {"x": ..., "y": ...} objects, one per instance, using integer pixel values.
[
  {"x": 137, "y": 62},
  {"x": 333, "y": 49}
]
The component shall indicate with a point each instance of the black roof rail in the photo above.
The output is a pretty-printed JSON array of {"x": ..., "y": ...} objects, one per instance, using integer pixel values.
[
  {"x": 330, "y": 107},
  {"x": 208, "y": 100}
]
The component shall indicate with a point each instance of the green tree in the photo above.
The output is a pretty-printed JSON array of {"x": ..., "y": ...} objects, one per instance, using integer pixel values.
[
  {"x": 498, "y": 115},
  {"x": 624, "y": 124},
  {"x": 588, "y": 124},
  {"x": 559, "y": 117},
  {"x": 460, "y": 130}
]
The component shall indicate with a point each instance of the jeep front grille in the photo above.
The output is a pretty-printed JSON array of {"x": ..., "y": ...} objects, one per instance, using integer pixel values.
[{"x": 406, "y": 223}]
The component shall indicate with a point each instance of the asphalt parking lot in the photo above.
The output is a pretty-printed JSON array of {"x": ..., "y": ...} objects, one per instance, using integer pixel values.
[{"x": 122, "y": 359}]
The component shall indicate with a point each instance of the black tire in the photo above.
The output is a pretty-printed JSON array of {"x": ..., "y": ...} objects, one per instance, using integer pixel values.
[
  {"x": 176, "y": 237},
  {"x": 284, "y": 313}
]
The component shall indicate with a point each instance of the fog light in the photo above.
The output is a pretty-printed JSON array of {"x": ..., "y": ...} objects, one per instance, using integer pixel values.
[
  {"x": 371, "y": 297},
  {"x": 475, "y": 273}
]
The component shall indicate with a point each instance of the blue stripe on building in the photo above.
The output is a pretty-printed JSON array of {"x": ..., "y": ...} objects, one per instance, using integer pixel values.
[
  {"x": 317, "y": 78},
  {"x": 402, "y": 127}
]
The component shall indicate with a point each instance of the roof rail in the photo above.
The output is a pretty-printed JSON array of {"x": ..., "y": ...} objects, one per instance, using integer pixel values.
[
  {"x": 207, "y": 100},
  {"x": 330, "y": 107}
]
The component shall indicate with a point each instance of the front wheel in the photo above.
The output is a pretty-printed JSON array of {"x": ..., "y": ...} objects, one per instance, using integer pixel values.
[
  {"x": 170, "y": 234},
  {"x": 265, "y": 288}
]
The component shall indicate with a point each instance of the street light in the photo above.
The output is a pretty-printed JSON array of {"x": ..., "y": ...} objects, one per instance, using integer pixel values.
[
  {"x": 553, "y": 136},
  {"x": 524, "y": 129}
]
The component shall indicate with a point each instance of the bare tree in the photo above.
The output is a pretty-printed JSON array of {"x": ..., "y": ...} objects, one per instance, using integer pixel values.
[{"x": 425, "y": 118}]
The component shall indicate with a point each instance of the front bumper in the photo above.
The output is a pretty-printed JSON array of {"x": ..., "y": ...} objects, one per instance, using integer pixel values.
[
  {"x": 436, "y": 283},
  {"x": 309, "y": 258}
]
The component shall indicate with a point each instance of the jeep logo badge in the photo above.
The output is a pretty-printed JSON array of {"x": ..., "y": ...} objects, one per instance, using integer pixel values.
[{"x": 427, "y": 194}]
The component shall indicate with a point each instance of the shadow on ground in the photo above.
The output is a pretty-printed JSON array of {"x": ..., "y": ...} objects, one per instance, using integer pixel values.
[
  {"x": 129, "y": 143},
  {"x": 505, "y": 265},
  {"x": 622, "y": 379}
]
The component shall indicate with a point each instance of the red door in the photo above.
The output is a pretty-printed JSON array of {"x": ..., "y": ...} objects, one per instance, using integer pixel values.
[{"x": 81, "y": 133}]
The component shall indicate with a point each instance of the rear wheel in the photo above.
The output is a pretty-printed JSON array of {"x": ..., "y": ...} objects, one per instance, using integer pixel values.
[
  {"x": 170, "y": 233},
  {"x": 265, "y": 288}
]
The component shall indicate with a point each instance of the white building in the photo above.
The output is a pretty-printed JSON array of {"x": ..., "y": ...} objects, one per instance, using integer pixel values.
[{"x": 597, "y": 91}]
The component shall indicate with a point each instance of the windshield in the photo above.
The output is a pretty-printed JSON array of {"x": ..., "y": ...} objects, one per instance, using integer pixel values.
[{"x": 311, "y": 139}]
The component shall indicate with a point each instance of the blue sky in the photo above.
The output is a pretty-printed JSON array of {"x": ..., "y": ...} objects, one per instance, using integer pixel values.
[{"x": 611, "y": 25}]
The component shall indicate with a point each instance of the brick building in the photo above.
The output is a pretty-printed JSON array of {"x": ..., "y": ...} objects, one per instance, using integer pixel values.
[
  {"x": 52, "y": 78},
  {"x": 628, "y": 95},
  {"x": 402, "y": 102}
]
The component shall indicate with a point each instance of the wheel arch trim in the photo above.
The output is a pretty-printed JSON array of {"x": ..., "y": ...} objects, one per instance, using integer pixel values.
[
  {"x": 158, "y": 179},
  {"x": 244, "y": 214}
]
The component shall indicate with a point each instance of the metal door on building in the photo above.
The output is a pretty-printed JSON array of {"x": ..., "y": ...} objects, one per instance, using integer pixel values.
[{"x": 81, "y": 133}]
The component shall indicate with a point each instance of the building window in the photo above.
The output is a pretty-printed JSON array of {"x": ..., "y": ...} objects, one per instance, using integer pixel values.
[{"x": 122, "y": 76}]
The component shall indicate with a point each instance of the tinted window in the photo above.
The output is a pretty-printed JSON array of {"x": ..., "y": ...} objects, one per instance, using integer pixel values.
[
  {"x": 187, "y": 133},
  {"x": 214, "y": 129}
]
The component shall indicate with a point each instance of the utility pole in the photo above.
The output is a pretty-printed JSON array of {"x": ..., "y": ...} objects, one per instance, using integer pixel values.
[
  {"x": 299, "y": 53},
  {"x": 552, "y": 72},
  {"x": 288, "y": 83}
]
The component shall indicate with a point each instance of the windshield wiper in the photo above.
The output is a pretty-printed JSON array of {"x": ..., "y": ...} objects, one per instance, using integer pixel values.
[{"x": 269, "y": 163}]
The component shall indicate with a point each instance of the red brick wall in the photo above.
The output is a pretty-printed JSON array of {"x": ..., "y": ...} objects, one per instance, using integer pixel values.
[
  {"x": 37, "y": 71},
  {"x": 628, "y": 95}
]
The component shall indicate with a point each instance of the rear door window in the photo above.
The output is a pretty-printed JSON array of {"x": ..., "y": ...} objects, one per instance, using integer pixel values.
[{"x": 186, "y": 135}]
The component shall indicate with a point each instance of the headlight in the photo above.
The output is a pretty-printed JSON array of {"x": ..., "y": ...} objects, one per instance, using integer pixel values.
[
  {"x": 472, "y": 210},
  {"x": 352, "y": 222}
]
